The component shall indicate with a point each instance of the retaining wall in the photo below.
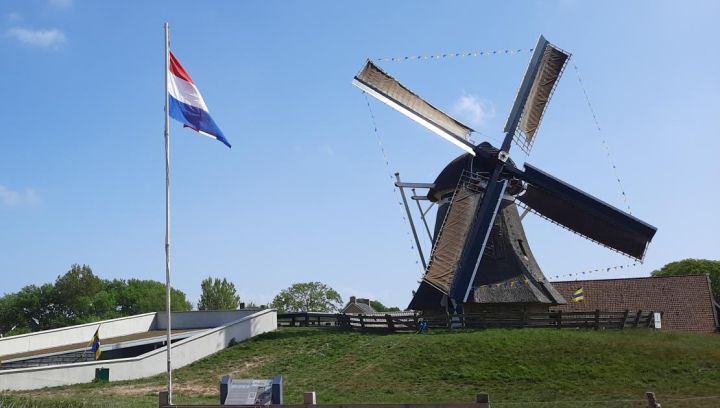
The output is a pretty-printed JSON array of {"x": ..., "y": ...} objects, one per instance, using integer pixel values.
[
  {"x": 184, "y": 352},
  {"x": 122, "y": 326},
  {"x": 201, "y": 319}
]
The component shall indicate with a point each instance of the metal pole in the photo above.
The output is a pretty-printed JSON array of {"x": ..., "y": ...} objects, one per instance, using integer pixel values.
[
  {"x": 527, "y": 210},
  {"x": 167, "y": 211},
  {"x": 412, "y": 225},
  {"x": 422, "y": 217},
  {"x": 428, "y": 209}
]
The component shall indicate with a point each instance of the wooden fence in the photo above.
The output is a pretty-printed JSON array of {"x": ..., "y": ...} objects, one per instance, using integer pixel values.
[
  {"x": 309, "y": 319},
  {"x": 409, "y": 321},
  {"x": 395, "y": 322},
  {"x": 596, "y": 319}
]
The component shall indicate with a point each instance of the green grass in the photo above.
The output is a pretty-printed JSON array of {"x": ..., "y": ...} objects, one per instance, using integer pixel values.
[{"x": 513, "y": 366}]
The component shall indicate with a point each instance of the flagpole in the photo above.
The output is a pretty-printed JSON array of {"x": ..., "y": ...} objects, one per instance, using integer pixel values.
[{"x": 167, "y": 211}]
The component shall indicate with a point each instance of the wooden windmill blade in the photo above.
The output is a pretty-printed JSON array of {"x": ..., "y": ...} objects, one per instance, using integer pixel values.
[
  {"x": 541, "y": 77},
  {"x": 584, "y": 214},
  {"x": 477, "y": 239},
  {"x": 543, "y": 73},
  {"x": 388, "y": 90}
]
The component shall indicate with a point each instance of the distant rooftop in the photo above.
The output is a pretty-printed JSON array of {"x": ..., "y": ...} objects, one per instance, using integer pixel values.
[{"x": 358, "y": 306}]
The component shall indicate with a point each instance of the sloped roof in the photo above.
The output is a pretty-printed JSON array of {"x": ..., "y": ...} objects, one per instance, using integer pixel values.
[
  {"x": 358, "y": 307},
  {"x": 685, "y": 301}
]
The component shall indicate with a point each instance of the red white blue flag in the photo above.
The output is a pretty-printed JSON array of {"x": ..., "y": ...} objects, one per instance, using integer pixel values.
[{"x": 187, "y": 105}]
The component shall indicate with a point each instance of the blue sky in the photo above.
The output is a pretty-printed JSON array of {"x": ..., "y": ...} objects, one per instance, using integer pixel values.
[{"x": 305, "y": 193}]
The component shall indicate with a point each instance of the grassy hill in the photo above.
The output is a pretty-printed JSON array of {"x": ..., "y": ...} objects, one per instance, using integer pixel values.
[{"x": 514, "y": 366}]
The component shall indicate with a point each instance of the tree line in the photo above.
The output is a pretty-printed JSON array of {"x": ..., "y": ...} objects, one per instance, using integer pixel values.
[{"x": 79, "y": 296}]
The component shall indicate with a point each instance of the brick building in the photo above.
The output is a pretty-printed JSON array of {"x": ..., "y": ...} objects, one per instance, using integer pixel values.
[{"x": 686, "y": 301}]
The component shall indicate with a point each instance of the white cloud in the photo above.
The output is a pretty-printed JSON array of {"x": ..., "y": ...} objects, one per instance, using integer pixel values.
[
  {"x": 12, "y": 198},
  {"x": 38, "y": 38},
  {"x": 474, "y": 110},
  {"x": 13, "y": 17},
  {"x": 61, "y": 3}
]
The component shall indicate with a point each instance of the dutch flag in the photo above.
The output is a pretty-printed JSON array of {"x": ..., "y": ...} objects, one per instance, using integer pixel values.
[{"x": 187, "y": 105}]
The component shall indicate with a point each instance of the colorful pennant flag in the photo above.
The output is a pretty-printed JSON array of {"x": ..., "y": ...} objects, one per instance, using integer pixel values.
[{"x": 579, "y": 295}]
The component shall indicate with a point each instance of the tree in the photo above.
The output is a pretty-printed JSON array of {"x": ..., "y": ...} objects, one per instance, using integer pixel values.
[
  {"x": 79, "y": 296},
  {"x": 218, "y": 295},
  {"x": 308, "y": 297},
  {"x": 74, "y": 292},
  {"x": 694, "y": 267},
  {"x": 34, "y": 307},
  {"x": 379, "y": 307},
  {"x": 143, "y": 296}
]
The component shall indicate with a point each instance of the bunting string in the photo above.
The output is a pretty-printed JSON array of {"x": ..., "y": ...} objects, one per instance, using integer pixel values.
[
  {"x": 605, "y": 145},
  {"x": 518, "y": 281},
  {"x": 591, "y": 271},
  {"x": 523, "y": 281},
  {"x": 381, "y": 147},
  {"x": 487, "y": 53},
  {"x": 596, "y": 122}
]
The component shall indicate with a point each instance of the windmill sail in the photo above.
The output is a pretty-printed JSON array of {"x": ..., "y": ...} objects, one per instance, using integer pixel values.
[
  {"x": 451, "y": 240},
  {"x": 463, "y": 236},
  {"x": 546, "y": 67},
  {"x": 585, "y": 214},
  {"x": 477, "y": 239},
  {"x": 388, "y": 90}
]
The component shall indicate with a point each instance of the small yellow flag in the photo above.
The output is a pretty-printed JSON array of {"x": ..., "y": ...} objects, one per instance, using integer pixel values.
[{"x": 579, "y": 295}]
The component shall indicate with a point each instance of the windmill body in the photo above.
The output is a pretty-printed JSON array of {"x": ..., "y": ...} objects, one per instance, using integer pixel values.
[
  {"x": 507, "y": 258},
  {"x": 480, "y": 257}
]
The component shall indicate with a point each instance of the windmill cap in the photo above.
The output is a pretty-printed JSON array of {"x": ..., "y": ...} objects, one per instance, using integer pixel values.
[{"x": 484, "y": 161}]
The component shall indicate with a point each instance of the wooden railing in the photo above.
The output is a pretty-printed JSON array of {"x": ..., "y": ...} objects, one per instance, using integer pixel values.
[
  {"x": 309, "y": 319},
  {"x": 558, "y": 319},
  {"x": 396, "y": 322},
  {"x": 409, "y": 321}
]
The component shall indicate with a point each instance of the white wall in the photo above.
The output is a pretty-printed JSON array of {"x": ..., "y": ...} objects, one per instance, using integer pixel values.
[
  {"x": 183, "y": 353},
  {"x": 83, "y": 333},
  {"x": 202, "y": 319}
]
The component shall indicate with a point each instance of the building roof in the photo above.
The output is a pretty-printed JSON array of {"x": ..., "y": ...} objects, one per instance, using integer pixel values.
[
  {"x": 685, "y": 301},
  {"x": 359, "y": 306},
  {"x": 365, "y": 308}
]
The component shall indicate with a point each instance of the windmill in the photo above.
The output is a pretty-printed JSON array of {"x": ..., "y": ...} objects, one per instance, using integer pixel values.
[{"x": 480, "y": 254}]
